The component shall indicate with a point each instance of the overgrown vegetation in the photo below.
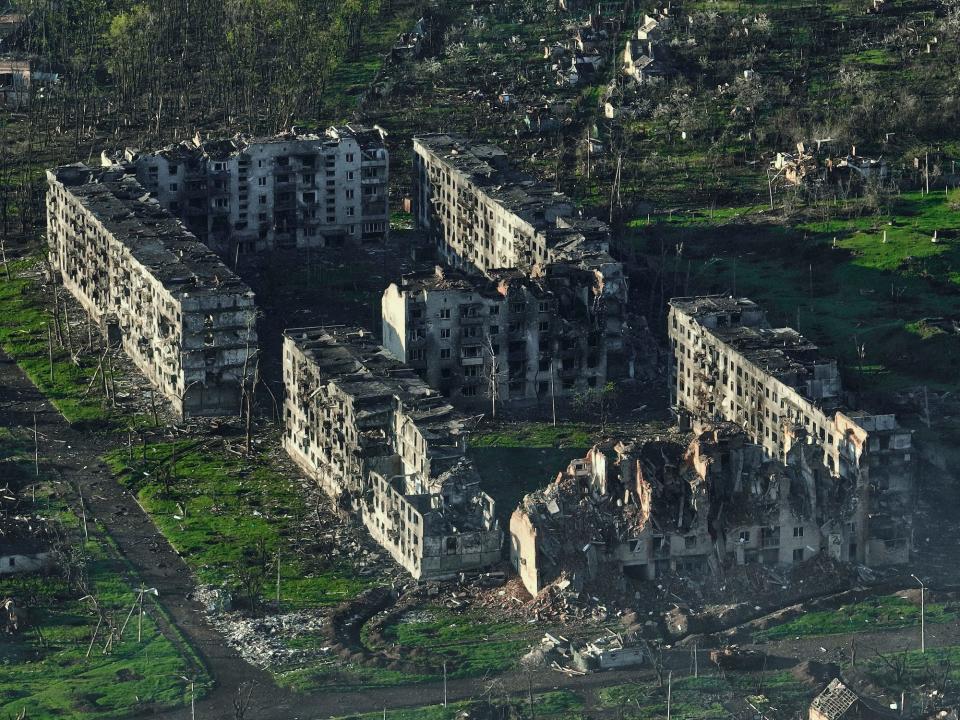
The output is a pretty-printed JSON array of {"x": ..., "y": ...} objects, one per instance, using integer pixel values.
[
  {"x": 557, "y": 704},
  {"x": 75, "y": 653},
  {"x": 880, "y": 613},
  {"x": 24, "y": 336},
  {"x": 231, "y": 516}
]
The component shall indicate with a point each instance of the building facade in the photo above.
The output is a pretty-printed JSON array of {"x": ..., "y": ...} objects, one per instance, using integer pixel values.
[
  {"x": 385, "y": 446},
  {"x": 490, "y": 221},
  {"x": 184, "y": 318},
  {"x": 647, "y": 507},
  {"x": 292, "y": 191},
  {"x": 511, "y": 339},
  {"x": 729, "y": 364}
]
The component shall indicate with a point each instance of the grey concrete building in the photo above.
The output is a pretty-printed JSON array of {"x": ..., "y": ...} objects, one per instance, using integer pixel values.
[
  {"x": 644, "y": 507},
  {"x": 729, "y": 364},
  {"x": 384, "y": 445},
  {"x": 503, "y": 340},
  {"x": 490, "y": 221},
  {"x": 482, "y": 214},
  {"x": 246, "y": 195},
  {"x": 185, "y": 319}
]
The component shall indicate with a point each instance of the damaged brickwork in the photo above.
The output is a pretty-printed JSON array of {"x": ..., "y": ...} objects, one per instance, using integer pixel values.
[
  {"x": 729, "y": 364},
  {"x": 184, "y": 318},
  {"x": 388, "y": 448}
]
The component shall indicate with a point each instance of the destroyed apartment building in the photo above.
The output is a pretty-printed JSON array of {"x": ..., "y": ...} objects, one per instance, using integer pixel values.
[
  {"x": 387, "y": 447},
  {"x": 484, "y": 218},
  {"x": 729, "y": 364},
  {"x": 649, "y": 506},
  {"x": 507, "y": 338},
  {"x": 184, "y": 318},
  {"x": 291, "y": 191}
]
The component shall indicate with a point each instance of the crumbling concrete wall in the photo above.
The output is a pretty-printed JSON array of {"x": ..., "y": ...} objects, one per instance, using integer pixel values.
[
  {"x": 292, "y": 191},
  {"x": 647, "y": 507},
  {"x": 728, "y": 364},
  {"x": 385, "y": 446},
  {"x": 185, "y": 319},
  {"x": 519, "y": 340}
]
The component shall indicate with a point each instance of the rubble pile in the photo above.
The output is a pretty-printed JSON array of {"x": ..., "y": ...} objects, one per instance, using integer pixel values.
[{"x": 265, "y": 641}]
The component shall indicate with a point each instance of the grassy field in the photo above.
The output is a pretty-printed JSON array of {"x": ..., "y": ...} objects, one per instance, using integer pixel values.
[
  {"x": 706, "y": 697},
  {"x": 912, "y": 670},
  {"x": 48, "y": 674},
  {"x": 557, "y": 704},
  {"x": 471, "y": 643},
  {"x": 23, "y": 336},
  {"x": 229, "y": 516},
  {"x": 837, "y": 280},
  {"x": 882, "y": 613}
]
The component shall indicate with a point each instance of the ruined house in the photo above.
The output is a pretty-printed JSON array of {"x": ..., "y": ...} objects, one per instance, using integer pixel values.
[
  {"x": 808, "y": 167},
  {"x": 509, "y": 339},
  {"x": 388, "y": 448},
  {"x": 20, "y": 78},
  {"x": 184, "y": 318},
  {"x": 650, "y": 506},
  {"x": 245, "y": 195},
  {"x": 484, "y": 217},
  {"x": 729, "y": 364},
  {"x": 413, "y": 45},
  {"x": 640, "y": 61},
  {"x": 26, "y": 544}
]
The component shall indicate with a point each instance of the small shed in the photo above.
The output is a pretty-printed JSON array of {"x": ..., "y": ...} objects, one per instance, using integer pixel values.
[{"x": 836, "y": 701}]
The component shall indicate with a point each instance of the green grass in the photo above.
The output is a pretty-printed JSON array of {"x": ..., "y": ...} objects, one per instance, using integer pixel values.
[
  {"x": 535, "y": 435},
  {"x": 919, "y": 668},
  {"x": 557, "y": 704},
  {"x": 472, "y": 643},
  {"x": 223, "y": 512},
  {"x": 881, "y": 613},
  {"x": 23, "y": 335},
  {"x": 703, "y": 698},
  {"x": 855, "y": 292},
  {"x": 54, "y": 679}
]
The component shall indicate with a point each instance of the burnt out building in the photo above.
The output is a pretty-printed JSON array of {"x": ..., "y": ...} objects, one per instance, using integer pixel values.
[
  {"x": 184, "y": 318},
  {"x": 728, "y": 364},
  {"x": 645, "y": 507},
  {"x": 508, "y": 235},
  {"x": 246, "y": 195},
  {"x": 388, "y": 448},
  {"x": 506, "y": 338}
]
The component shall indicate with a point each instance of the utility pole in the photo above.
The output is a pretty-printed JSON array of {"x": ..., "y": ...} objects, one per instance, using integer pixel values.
[
  {"x": 278, "y": 579},
  {"x": 923, "y": 638},
  {"x": 444, "y": 684},
  {"x": 553, "y": 394},
  {"x": 669, "y": 691}
]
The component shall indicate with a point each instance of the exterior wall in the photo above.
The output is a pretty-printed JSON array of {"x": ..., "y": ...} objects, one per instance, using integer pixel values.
[
  {"x": 714, "y": 380},
  {"x": 355, "y": 437},
  {"x": 523, "y": 550},
  {"x": 191, "y": 342},
  {"x": 274, "y": 194},
  {"x": 472, "y": 230},
  {"x": 462, "y": 342},
  {"x": 16, "y": 563},
  {"x": 321, "y": 426}
]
